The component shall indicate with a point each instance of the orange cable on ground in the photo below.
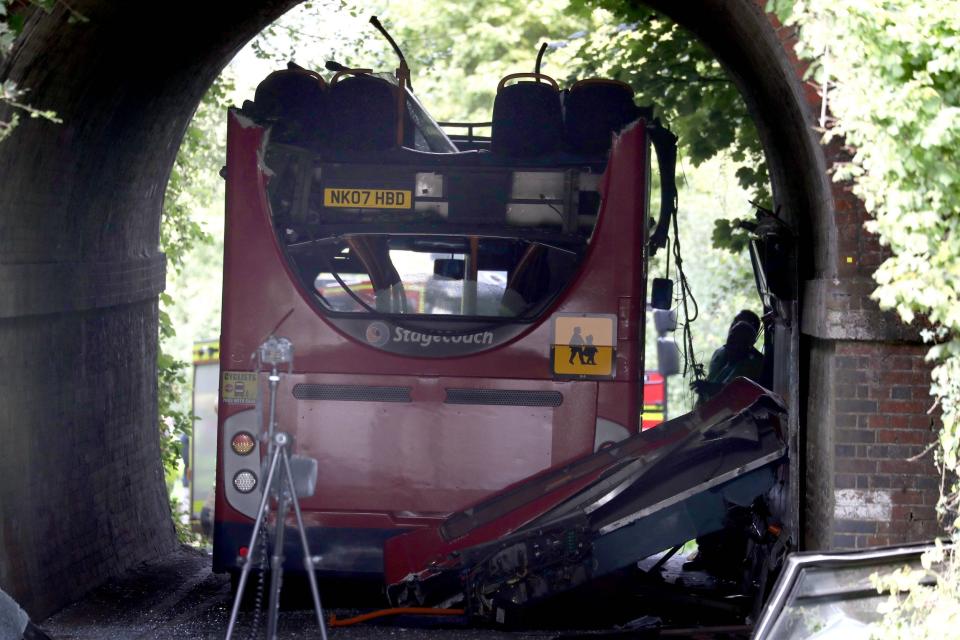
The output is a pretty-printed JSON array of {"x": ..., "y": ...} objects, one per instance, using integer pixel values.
[{"x": 396, "y": 611}]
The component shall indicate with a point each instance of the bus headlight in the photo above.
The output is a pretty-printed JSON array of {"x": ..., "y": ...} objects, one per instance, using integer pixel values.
[
  {"x": 242, "y": 443},
  {"x": 245, "y": 481}
]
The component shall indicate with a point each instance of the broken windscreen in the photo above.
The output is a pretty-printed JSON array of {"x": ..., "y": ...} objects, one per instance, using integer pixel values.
[
  {"x": 428, "y": 275},
  {"x": 435, "y": 239},
  {"x": 424, "y": 230}
]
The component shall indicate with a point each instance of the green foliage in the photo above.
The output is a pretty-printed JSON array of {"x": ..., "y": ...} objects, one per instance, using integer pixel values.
[
  {"x": 172, "y": 380},
  {"x": 192, "y": 185},
  {"x": 672, "y": 70},
  {"x": 891, "y": 73},
  {"x": 193, "y": 180},
  {"x": 730, "y": 235},
  {"x": 185, "y": 534},
  {"x": 912, "y": 612}
]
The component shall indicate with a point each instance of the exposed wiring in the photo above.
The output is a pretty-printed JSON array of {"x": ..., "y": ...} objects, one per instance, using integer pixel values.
[
  {"x": 559, "y": 213},
  {"x": 333, "y": 621},
  {"x": 686, "y": 299}
]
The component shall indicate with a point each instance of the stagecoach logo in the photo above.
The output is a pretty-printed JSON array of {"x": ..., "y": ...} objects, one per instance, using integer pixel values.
[
  {"x": 428, "y": 339},
  {"x": 378, "y": 334}
]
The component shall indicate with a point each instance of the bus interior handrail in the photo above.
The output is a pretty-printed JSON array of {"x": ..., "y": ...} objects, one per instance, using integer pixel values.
[{"x": 469, "y": 136}]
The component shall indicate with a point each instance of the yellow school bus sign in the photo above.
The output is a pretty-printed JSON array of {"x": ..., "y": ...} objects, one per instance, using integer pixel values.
[{"x": 584, "y": 345}]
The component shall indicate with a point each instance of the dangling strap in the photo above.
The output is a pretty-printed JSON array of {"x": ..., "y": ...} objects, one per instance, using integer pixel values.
[{"x": 665, "y": 144}]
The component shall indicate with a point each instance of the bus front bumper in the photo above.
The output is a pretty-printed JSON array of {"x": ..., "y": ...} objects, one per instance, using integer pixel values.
[{"x": 342, "y": 551}]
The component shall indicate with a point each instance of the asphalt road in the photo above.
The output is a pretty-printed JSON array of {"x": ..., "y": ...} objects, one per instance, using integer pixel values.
[{"x": 178, "y": 596}]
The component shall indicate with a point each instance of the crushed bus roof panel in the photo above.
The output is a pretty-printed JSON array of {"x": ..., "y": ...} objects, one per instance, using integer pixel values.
[{"x": 599, "y": 514}]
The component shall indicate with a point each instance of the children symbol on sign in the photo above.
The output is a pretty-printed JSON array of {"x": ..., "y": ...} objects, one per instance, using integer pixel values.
[
  {"x": 589, "y": 352},
  {"x": 585, "y": 352},
  {"x": 576, "y": 346}
]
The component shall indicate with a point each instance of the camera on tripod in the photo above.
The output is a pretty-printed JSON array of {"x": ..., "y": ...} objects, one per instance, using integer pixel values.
[
  {"x": 276, "y": 351},
  {"x": 288, "y": 478},
  {"x": 273, "y": 353}
]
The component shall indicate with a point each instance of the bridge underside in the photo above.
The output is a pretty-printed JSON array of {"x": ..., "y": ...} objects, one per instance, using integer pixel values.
[{"x": 82, "y": 494}]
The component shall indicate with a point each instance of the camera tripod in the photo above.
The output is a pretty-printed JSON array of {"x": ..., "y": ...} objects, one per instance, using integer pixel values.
[{"x": 280, "y": 481}]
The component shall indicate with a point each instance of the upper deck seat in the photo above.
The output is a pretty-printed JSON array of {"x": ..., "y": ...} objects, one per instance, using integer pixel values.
[
  {"x": 595, "y": 109},
  {"x": 527, "y": 117},
  {"x": 294, "y": 102},
  {"x": 362, "y": 114}
]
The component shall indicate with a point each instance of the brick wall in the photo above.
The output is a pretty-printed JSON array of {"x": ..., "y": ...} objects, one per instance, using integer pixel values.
[
  {"x": 83, "y": 493},
  {"x": 885, "y": 482},
  {"x": 884, "y": 489},
  {"x": 870, "y": 475}
]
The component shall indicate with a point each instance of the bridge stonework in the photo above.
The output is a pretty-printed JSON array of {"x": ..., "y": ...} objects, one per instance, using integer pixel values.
[
  {"x": 82, "y": 495},
  {"x": 862, "y": 471},
  {"x": 869, "y": 476},
  {"x": 82, "y": 492}
]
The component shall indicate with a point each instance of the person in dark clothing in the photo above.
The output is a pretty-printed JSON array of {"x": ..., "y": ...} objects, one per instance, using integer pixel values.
[
  {"x": 745, "y": 315},
  {"x": 736, "y": 358},
  {"x": 721, "y": 551}
]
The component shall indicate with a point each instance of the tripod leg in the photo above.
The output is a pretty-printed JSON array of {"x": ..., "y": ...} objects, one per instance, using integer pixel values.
[
  {"x": 251, "y": 548},
  {"x": 276, "y": 564},
  {"x": 307, "y": 558}
]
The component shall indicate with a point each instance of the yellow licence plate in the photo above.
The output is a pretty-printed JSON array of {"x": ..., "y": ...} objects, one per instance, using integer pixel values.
[{"x": 367, "y": 198}]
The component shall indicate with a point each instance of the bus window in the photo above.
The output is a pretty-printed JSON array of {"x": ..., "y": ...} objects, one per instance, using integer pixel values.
[
  {"x": 463, "y": 236},
  {"x": 425, "y": 275}
]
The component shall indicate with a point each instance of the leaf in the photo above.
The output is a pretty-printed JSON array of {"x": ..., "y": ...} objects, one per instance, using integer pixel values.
[
  {"x": 726, "y": 235},
  {"x": 16, "y": 23}
]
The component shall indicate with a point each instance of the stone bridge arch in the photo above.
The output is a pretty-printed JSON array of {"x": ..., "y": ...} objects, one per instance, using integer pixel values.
[{"x": 82, "y": 495}]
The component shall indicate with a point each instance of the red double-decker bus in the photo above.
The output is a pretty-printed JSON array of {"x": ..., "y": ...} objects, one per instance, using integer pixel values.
[{"x": 465, "y": 312}]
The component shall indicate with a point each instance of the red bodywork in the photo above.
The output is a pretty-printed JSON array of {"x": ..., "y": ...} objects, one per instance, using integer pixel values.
[
  {"x": 433, "y": 548},
  {"x": 393, "y": 466}
]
